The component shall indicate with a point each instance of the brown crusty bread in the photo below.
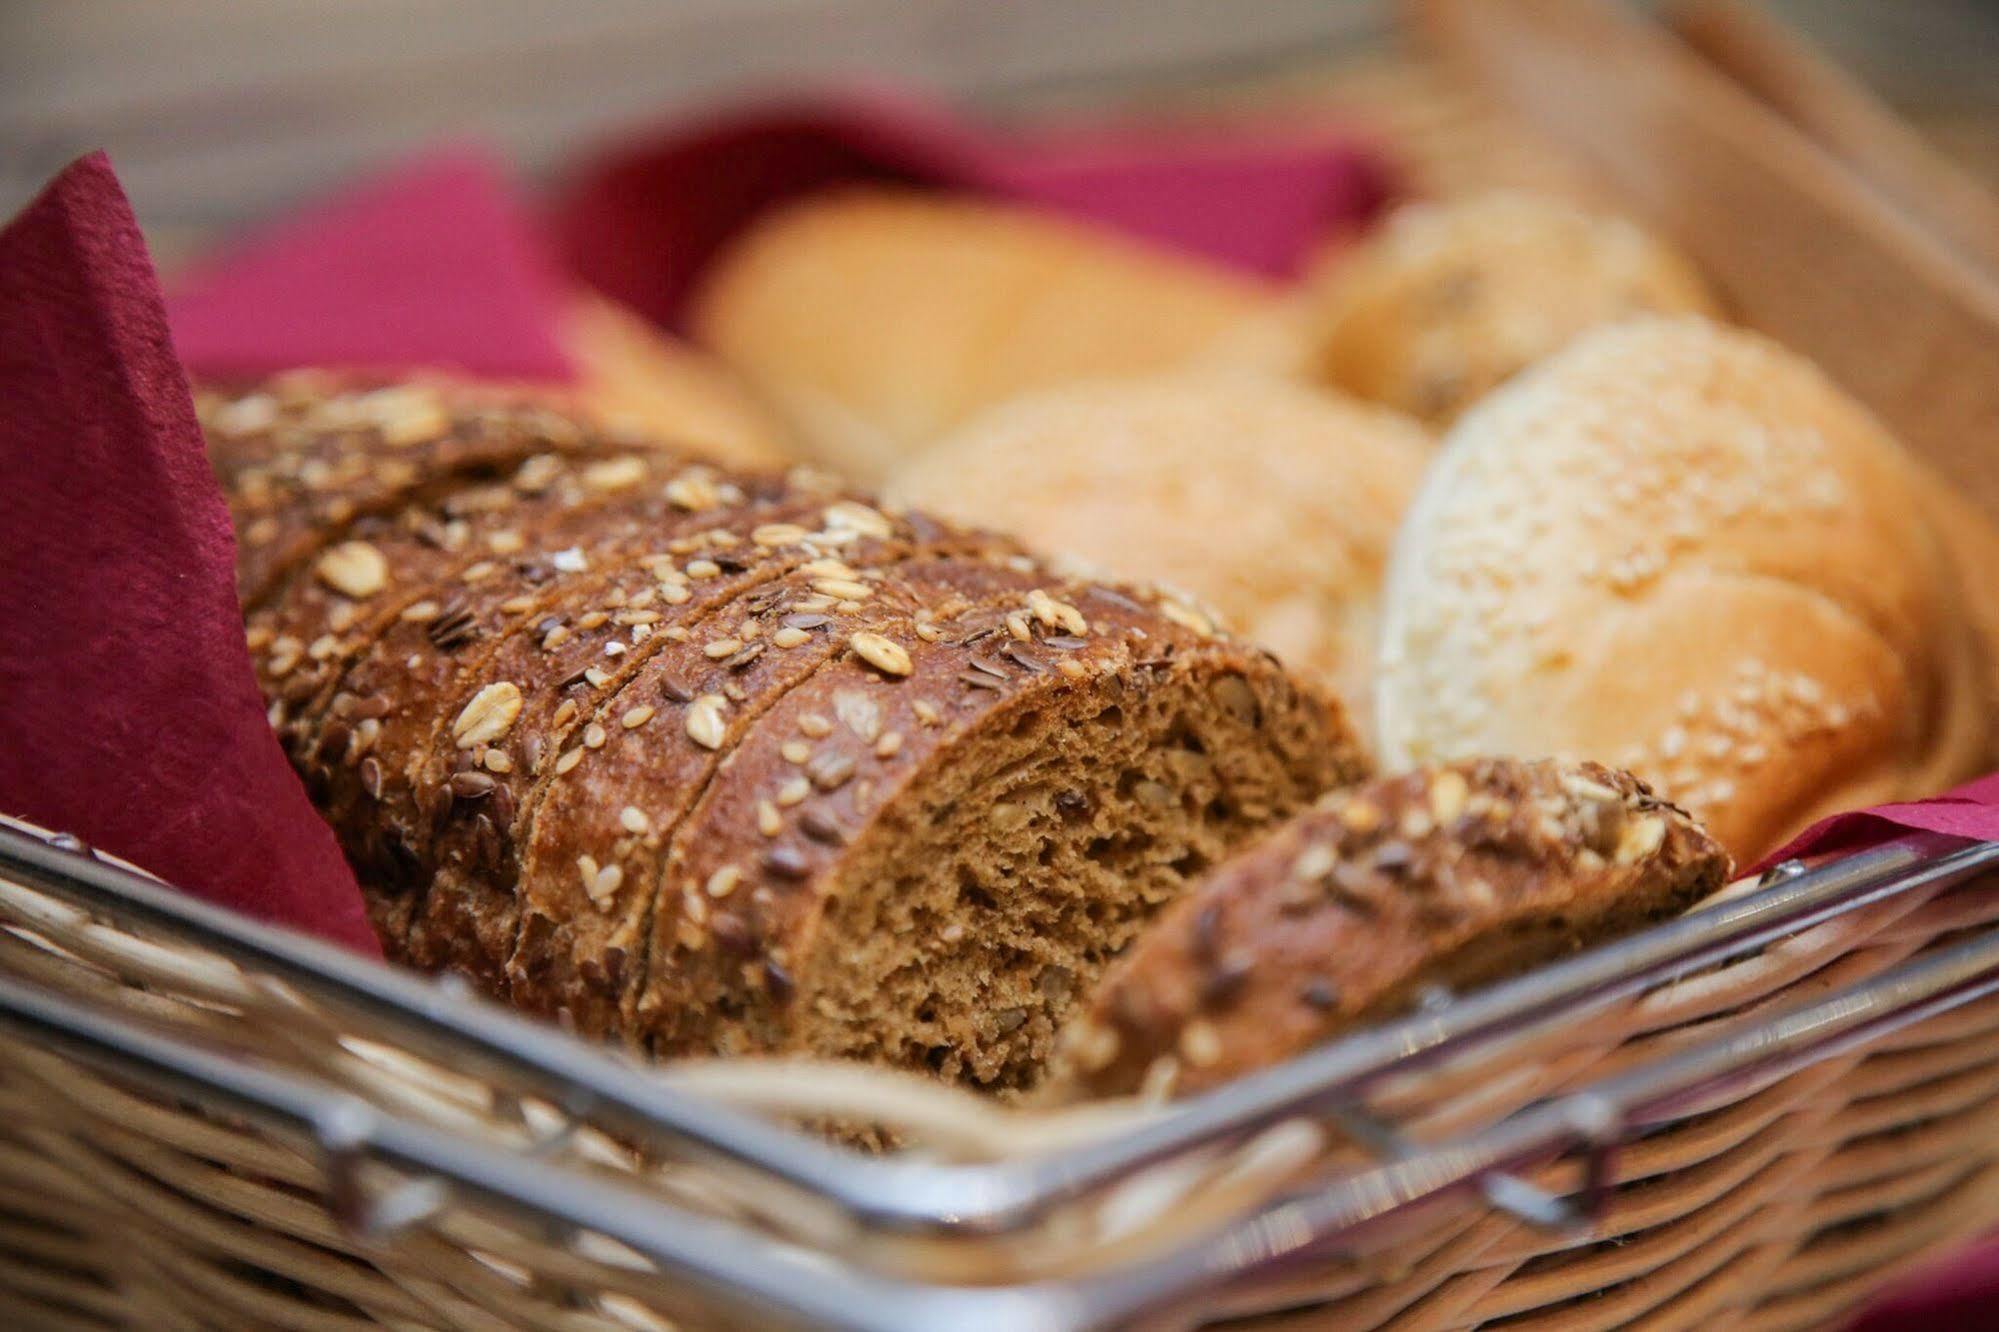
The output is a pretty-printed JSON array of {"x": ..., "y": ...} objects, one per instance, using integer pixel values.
[
  {"x": 1678, "y": 547},
  {"x": 875, "y": 320},
  {"x": 1450, "y": 876},
  {"x": 640, "y": 743},
  {"x": 1450, "y": 299},
  {"x": 1273, "y": 502}
]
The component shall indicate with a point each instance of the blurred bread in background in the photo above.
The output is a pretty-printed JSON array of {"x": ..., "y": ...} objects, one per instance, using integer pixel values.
[
  {"x": 637, "y": 378},
  {"x": 1447, "y": 300},
  {"x": 1679, "y": 548},
  {"x": 876, "y": 320},
  {"x": 1275, "y": 503}
]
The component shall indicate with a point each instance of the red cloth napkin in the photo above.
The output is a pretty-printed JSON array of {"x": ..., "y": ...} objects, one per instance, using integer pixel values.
[
  {"x": 435, "y": 265},
  {"x": 129, "y": 714},
  {"x": 641, "y": 219},
  {"x": 1970, "y": 811}
]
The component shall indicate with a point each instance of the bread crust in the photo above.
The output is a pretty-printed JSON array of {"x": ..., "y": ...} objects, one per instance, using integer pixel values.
[
  {"x": 877, "y": 319},
  {"x": 624, "y": 690},
  {"x": 1274, "y": 503},
  {"x": 1451, "y": 299},
  {"x": 1453, "y": 875},
  {"x": 760, "y": 949},
  {"x": 1677, "y": 547}
]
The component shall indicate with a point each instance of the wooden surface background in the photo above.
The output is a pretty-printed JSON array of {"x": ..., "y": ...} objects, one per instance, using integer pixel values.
[{"x": 220, "y": 110}]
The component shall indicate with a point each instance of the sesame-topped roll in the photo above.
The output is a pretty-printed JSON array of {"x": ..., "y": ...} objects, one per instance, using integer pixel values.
[
  {"x": 1679, "y": 548},
  {"x": 1453, "y": 876}
]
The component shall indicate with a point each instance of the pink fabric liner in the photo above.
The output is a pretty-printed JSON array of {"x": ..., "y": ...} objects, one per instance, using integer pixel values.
[
  {"x": 130, "y": 713},
  {"x": 642, "y": 218},
  {"x": 435, "y": 265}
]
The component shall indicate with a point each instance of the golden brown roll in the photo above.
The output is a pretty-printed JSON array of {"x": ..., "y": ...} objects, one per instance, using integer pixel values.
[
  {"x": 1678, "y": 548},
  {"x": 1450, "y": 299},
  {"x": 877, "y": 320},
  {"x": 636, "y": 378},
  {"x": 1274, "y": 503}
]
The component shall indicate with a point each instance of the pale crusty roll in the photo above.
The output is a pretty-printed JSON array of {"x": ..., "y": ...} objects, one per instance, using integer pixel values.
[
  {"x": 875, "y": 320},
  {"x": 1275, "y": 503},
  {"x": 1679, "y": 548},
  {"x": 1448, "y": 300}
]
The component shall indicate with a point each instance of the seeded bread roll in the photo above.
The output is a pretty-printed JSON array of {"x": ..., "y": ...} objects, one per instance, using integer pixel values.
[
  {"x": 1452, "y": 876},
  {"x": 1274, "y": 503},
  {"x": 1448, "y": 300},
  {"x": 529, "y": 751},
  {"x": 876, "y": 320},
  {"x": 1678, "y": 547}
]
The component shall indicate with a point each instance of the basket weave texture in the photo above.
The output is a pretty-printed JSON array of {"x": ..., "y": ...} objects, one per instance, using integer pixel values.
[{"x": 1777, "y": 1207}]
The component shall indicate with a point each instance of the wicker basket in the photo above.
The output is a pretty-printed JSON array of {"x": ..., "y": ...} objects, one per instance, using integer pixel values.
[
  {"x": 1776, "y": 1206},
  {"x": 1773, "y": 1206}
]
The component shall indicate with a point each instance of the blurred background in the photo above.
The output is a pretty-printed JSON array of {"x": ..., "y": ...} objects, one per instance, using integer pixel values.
[{"x": 221, "y": 110}]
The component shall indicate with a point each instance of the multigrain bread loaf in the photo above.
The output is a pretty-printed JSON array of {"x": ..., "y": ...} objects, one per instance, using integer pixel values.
[
  {"x": 1454, "y": 876},
  {"x": 732, "y": 762},
  {"x": 1275, "y": 503},
  {"x": 1679, "y": 548},
  {"x": 876, "y": 320},
  {"x": 1449, "y": 299}
]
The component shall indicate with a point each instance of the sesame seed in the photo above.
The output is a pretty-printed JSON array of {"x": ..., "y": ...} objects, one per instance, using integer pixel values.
[
  {"x": 594, "y": 736},
  {"x": 705, "y": 724},
  {"x": 795, "y": 751},
  {"x": 615, "y": 474},
  {"x": 723, "y": 881},
  {"x": 778, "y": 534},
  {"x": 634, "y": 820},
  {"x": 830, "y": 771},
  {"x": 815, "y": 726},
  {"x": 703, "y": 568},
  {"x": 793, "y": 792},
  {"x": 850, "y": 516},
  {"x": 488, "y": 716},
  {"x": 353, "y": 569},
  {"x": 889, "y": 744},
  {"x": 789, "y": 637},
  {"x": 570, "y": 758},
  {"x": 884, "y": 654},
  {"x": 496, "y": 760},
  {"x": 769, "y": 821}
]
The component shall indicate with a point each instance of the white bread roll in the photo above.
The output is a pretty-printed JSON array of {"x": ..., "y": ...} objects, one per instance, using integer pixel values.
[
  {"x": 875, "y": 320},
  {"x": 1274, "y": 503},
  {"x": 1678, "y": 548},
  {"x": 1448, "y": 300}
]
